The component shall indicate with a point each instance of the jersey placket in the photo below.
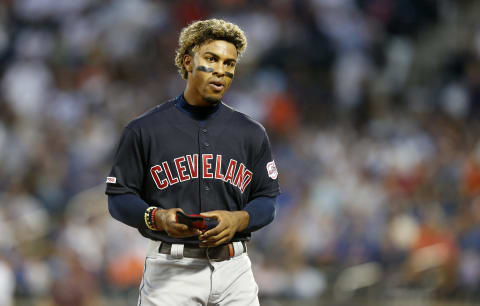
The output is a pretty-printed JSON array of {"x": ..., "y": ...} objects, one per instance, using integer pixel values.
[{"x": 204, "y": 148}]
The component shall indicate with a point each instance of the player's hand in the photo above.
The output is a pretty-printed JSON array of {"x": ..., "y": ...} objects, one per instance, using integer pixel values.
[
  {"x": 166, "y": 220},
  {"x": 229, "y": 222}
]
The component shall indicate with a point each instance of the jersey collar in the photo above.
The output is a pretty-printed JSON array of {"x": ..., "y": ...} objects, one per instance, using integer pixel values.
[{"x": 196, "y": 112}]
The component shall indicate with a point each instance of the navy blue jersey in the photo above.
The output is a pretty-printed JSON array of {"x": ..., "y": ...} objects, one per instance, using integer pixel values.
[{"x": 170, "y": 160}]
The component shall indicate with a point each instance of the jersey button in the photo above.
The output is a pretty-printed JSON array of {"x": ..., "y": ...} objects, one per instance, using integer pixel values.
[
  {"x": 204, "y": 130},
  {"x": 206, "y": 144},
  {"x": 206, "y": 188}
]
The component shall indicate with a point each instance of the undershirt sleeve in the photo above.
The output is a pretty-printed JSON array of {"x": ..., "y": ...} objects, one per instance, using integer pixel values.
[
  {"x": 261, "y": 211},
  {"x": 128, "y": 208}
]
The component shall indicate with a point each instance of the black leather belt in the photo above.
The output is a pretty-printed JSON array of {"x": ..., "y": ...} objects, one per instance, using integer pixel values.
[{"x": 221, "y": 252}]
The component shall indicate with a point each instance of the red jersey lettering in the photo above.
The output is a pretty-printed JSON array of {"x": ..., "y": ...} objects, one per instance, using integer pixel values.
[
  {"x": 207, "y": 165},
  {"x": 193, "y": 165},
  {"x": 218, "y": 168},
  {"x": 154, "y": 171},
  {"x": 240, "y": 176},
  {"x": 230, "y": 171},
  {"x": 248, "y": 179},
  {"x": 181, "y": 169},
  {"x": 171, "y": 180}
]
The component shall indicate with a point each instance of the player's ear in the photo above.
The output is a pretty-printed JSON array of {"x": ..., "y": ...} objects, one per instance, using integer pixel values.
[{"x": 188, "y": 62}]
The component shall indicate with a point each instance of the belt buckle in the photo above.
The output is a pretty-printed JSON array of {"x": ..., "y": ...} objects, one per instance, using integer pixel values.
[
  {"x": 208, "y": 255},
  {"x": 230, "y": 255}
]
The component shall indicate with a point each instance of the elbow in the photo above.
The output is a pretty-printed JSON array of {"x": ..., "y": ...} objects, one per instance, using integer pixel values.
[
  {"x": 112, "y": 209},
  {"x": 272, "y": 213}
]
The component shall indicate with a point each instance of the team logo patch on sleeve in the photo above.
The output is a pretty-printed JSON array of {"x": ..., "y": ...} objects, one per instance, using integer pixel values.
[
  {"x": 111, "y": 180},
  {"x": 272, "y": 170}
]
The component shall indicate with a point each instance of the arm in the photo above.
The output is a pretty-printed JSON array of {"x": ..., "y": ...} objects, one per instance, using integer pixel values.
[
  {"x": 261, "y": 211},
  {"x": 257, "y": 213},
  {"x": 130, "y": 209},
  {"x": 127, "y": 208}
]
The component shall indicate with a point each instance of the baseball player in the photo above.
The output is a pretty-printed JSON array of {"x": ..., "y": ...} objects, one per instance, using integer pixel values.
[{"x": 196, "y": 177}]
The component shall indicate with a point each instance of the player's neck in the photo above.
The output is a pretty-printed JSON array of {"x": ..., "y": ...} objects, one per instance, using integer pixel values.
[
  {"x": 193, "y": 98},
  {"x": 196, "y": 112}
]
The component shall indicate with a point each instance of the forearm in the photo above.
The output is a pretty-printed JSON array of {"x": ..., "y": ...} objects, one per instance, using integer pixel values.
[
  {"x": 261, "y": 212},
  {"x": 128, "y": 208}
]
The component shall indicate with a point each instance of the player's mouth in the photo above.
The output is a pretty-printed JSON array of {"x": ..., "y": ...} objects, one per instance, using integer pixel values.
[{"x": 216, "y": 85}]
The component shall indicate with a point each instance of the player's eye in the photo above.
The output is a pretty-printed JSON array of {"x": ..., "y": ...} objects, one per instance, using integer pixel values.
[{"x": 211, "y": 59}]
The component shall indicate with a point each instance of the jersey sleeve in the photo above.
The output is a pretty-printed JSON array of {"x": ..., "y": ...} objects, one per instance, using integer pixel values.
[
  {"x": 127, "y": 171},
  {"x": 265, "y": 175}
]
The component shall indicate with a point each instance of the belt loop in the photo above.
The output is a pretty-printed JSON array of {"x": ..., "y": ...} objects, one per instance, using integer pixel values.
[
  {"x": 238, "y": 248},
  {"x": 177, "y": 251}
]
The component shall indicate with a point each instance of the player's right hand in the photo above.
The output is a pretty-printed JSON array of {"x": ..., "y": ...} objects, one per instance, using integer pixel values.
[{"x": 166, "y": 220}]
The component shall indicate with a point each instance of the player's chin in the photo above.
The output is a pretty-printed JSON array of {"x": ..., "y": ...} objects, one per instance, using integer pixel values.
[{"x": 213, "y": 98}]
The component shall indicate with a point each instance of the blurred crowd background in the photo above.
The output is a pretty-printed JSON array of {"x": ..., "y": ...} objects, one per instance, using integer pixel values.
[{"x": 372, "y": 107}]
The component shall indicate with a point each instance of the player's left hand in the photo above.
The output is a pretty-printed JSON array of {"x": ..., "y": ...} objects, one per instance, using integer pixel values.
[{"x": 229, "y": 222}]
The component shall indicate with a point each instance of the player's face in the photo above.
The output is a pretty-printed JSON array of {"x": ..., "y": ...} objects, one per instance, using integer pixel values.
[{"x": 210, "y": 72}]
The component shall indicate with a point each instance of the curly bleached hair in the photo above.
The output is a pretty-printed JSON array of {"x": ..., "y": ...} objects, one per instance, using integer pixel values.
[{"x": 199, "y": 32}]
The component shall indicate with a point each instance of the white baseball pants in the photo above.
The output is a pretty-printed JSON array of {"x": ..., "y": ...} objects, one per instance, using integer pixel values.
[{"x": 177, "y": 280}]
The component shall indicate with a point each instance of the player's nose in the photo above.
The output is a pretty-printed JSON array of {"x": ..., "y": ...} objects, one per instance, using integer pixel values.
[{"x": 219, "y": 70}]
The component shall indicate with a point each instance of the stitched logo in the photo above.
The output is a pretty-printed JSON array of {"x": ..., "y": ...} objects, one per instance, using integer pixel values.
[
  {"x": 111, "y": 180},
  {"x": 186, "y": 167},
  {"x": 272, "y": 170}
]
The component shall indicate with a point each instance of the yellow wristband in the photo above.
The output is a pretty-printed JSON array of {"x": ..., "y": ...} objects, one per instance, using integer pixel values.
[{"x": 149, "y": 218}]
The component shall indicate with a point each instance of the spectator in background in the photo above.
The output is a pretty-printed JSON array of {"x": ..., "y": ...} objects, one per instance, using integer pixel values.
[{"x": 75, "y": 286}]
